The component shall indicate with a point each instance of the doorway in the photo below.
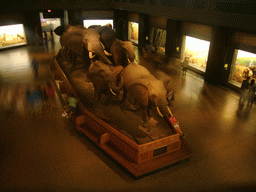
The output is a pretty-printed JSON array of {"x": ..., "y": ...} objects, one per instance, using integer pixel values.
[
  {"x": 48, "y": 25},
  {"x": 133, "y": 32}
]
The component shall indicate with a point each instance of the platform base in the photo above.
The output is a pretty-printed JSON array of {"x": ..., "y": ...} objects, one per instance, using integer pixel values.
[{"x": 152, "y": 165}]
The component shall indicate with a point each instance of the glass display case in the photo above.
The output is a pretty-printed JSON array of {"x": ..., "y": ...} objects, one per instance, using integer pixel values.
[
  {"x": 197, "y": 52},
  {"x": 102, "y": 22},
  {"x": 243, "y": 66},
  {"x": 133, "y": 32},
  {"x": 12, "y": 35},
  {"x": 158, "y": 40}
]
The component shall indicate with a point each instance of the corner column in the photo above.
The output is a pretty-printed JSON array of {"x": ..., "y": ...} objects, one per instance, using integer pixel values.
[
  {"x": 173, "y": 39},
  {"x": 143, "y": 29},
  {"x": 219, "y": 46}
]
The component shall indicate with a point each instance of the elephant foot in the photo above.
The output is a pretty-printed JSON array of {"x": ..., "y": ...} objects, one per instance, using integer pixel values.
[{"x": 147, "y": 126}]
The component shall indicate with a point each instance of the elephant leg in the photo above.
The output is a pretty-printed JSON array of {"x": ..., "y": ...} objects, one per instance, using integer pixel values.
[
  {"x": 138, "y": 95},
  {"x": 146, "y": 119}
]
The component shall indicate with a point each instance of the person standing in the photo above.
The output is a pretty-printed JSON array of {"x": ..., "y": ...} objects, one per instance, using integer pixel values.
[
  {"x": 169, "y": 96},
  {"x": 185, "y": 66},
  {"x": 244, "y": 89},
  {"x": 251, "y": 92},
  {"x": 71, "y": 107},
  {"x": 35, "y": 66}
]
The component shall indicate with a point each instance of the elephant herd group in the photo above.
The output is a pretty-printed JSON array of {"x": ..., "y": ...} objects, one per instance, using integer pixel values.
[{"x": 111, "y": 68}]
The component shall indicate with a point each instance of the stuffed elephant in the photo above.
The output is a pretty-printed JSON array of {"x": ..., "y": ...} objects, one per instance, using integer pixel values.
[
  {"x": 73, "y": 42},
  {"x": 145, "y": 91},
  {"x": 104, "y": 79},
  {"x": 100, "y": 41},
  {"x": 120, "y": 50},
  {"x": 84, "y": 42}
]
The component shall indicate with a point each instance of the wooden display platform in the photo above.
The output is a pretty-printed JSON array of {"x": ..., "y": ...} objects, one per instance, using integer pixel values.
[{"x": 137, "y": 159}]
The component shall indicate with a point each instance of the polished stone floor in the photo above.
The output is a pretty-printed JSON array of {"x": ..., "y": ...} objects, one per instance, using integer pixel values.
[{"x": 47, "y": 154}]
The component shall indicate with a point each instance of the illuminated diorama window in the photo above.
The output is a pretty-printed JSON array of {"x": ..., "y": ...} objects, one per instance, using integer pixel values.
[
  {"x": 243, "y": 65},
  {"x": 197, "y": 51},
  {"x": 133, "y": 32},
  {"x": 12, "y": 35},
  {"x": 102, "y": 22},
  {"x": 158, "y": 39}
]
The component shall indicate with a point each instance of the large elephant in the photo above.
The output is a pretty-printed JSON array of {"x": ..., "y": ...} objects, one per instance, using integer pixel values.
[
  {"x": 84, "y": 42},
  {"x": 105, "y": 79},
  {"x": 145, "y": 91},
  {"x": 73, "y": 43},
  {"x": 120, "y": 50}
]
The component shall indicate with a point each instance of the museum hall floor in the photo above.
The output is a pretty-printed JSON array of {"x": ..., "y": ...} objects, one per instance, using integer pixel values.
[{"x": 48, "y": 154}]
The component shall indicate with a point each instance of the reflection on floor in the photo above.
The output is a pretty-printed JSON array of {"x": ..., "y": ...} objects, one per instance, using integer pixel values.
[{"x": 48, "y": 154}]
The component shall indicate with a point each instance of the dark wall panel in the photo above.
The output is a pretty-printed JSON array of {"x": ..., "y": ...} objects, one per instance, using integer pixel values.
[
  {"x": 158, "y": 22},
  {"x": 197, "y": 30},
  {"x": 133, "y": 17}
]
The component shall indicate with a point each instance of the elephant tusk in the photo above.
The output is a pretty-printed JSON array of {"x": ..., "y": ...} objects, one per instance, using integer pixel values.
[
  {"x": 128, "y": 60},
  {"x": 157, "y": 108},
  {"x": 136, "y": 59},
  {"x": 170, "y": 111},
  {"x": 107, "y": 53},
  {"x": 112, "y": 92},
  {"x": 91, "y": 56}
]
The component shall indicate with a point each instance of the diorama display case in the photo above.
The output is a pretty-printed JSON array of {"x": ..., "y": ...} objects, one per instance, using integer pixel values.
[
  {"x": 138, "y": 159},
  {"x": 12, "y": 36}
]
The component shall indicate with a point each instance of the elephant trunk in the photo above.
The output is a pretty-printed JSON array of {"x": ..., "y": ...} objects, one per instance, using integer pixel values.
[
  {"x": 116, "y": 81},
  {"x": 117, "y": 85},
  {"x": 96, "y": 47},
  {"x": 162, "y": 108}
]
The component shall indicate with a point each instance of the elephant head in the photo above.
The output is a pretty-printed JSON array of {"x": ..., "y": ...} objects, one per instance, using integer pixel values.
[
  {"x": 129, "y": 47},
  {"x": 74, "y": 43},
  {"x": 91, "y": 40},
  {"x": 105, "y": 78},
  {"x": 122, "y": 52}
]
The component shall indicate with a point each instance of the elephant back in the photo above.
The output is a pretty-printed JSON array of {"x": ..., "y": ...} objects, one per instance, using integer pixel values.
[
  {"x": 135, "y": 74},
  {"x": 72, "y": 41},
  {"x": 78, "y": 30}
]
